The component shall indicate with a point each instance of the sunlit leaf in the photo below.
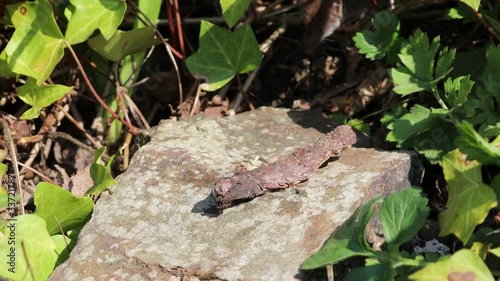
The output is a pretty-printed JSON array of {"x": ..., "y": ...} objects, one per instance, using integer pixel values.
[
  {"x": 233, "y": 10},
  {"x": 100, "y": 174},
  {"x": 469, "y": 199},
  {"x": 61, "y": 209},
  {"x": 90, "y": 15},
  {"x": 26, "y": 234},
  {"x": 39, "y": 96},
  {"x": 37, "y": 44},
  {"x": 463, "y": 265}
]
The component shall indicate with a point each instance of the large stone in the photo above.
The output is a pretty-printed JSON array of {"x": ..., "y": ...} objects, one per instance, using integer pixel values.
[{"x": 161, "y": 224}]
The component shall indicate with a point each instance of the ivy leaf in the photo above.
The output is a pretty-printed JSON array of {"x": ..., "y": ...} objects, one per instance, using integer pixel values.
[
  {"x": 39, "y": 249},
  {"x": 90, "y": 15},
  {"x": 223, "y": 54},
  {"x": 59, "y": 207},
  {"x": 377, "y": 43},
  {"x": 233, "y": 10},
  {"x": 4, "y": 66},
  {"x": 474, "y": 4},
  {"x": 462, "y": 265},
  {"x": 457, "y": 90},
  {"x": 495, "y": 251},
  {"x": 425, "y": 130},
  {"x": 100, "y": 174},
  {"x": 124, "y": 43},
  {"x": 475, "y": 146},
  {"x": 37, "y": 44},
  {"x": 417, "y": 73},
  {"x": 39, "y": 96},
  {"x": 469, "y": 199},
  {"x": 402, "y": 214},
  {"x": 347, "y": 241}
]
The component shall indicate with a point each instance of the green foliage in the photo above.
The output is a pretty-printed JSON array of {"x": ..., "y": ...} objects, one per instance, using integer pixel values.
[
  {"x": 384, "y": 38},
  {"x": 418, "y": 71},
  {"x": 37, "y": 44},
  {"x": 61, "y": 209},
  {"x": 402, "y": 214},
  {"x": 347, "y": 241},
  {"x": 474, "y": 4},
  {"x": 124, "y": 43},
  {"x": 39, "y": 96},
  {"x": 90, "y": 15},
  {"x": 39, "y": 235},
  {"x": 32, "y": 243},
  {"x": 223, "y": 54},
  {"x": 463, "y": 265},
  {"x": 233, "y": 10},
  {"x": 469, "y": 198},
  {"x": 426, "y": 130},
  {"x": 100, "y": 174},
  {"x": 476, "y": 147}
]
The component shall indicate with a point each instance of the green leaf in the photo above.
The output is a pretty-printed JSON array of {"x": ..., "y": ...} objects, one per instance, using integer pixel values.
[
  {"x": 233, "y": 10},
  {"x": 474, "y": 4},
  {"x": 124, "y": 43},
  {"x": 396, "y": 113},
  {"x": 417, "y": 55},
  {"x": 4, "y": 66},
  {"x": 39, "y": 96},
  {"x": 151, "y": 9},
  {"x": 223, "y": 54},
  {"x": 476, "y": 147},
  {"x": 495, "y": 251},
  {"x": 90, "y": 15},
  {"x": 489, "y": 78},
  {"x": 425, "y": 130},
  {"x": 402, "y": 214},
  {"x": 375, "y": 272},
  {"x": 359, "y": 125},
  {"x": 100, "y": 175},
  {"x": 463, "y": 265},
  {"x": 469, "y": 199},
  {"x": 457, "y": 90},
  {"x": 445, "y": 60},
  {"x": 37, "y": 44},
  {"x": 54, "y": 204},
  {"x": 376, "y": 43},
  {"x": 347, "y": 241},
  {"x": 63, "y": 244},
  {"x": 28, "y": 232}
]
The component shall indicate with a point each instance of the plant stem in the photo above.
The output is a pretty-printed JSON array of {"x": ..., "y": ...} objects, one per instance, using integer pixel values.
[{"x": 131, "y": 127}]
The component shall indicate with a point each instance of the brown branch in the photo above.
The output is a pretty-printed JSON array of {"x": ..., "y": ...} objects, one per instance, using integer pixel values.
[{"x": 295, "y": 168}]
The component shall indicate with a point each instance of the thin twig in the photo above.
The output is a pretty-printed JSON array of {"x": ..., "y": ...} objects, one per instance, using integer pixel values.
[
  {"x": 170, "y": 55},
  {"x": 27, "y": 260},
  {"x": 131, "y": 127},
  {"x": 77, "y": 125},
  {"x": 13, "y": 155}
]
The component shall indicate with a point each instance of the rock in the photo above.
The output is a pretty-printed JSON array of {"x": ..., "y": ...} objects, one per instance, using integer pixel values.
[{"x": 161, "y": 224}]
